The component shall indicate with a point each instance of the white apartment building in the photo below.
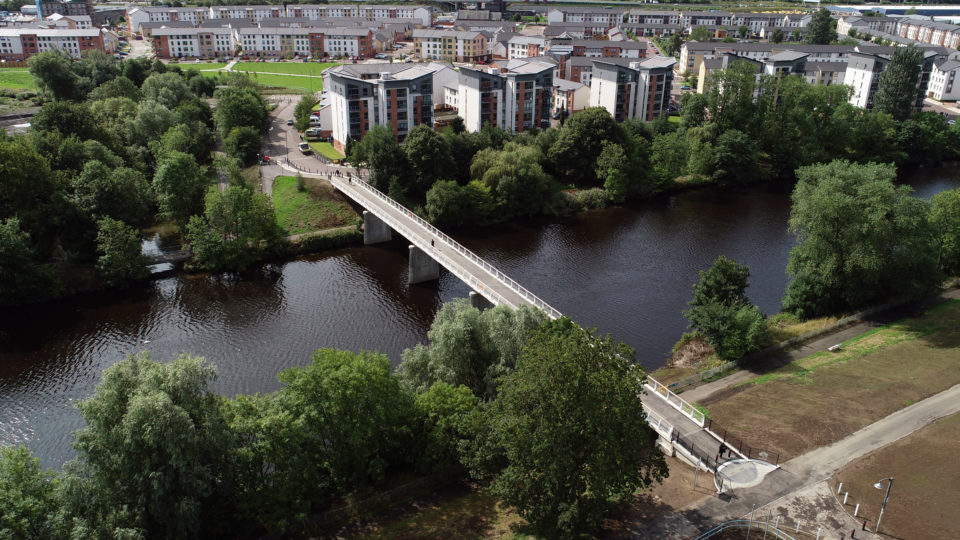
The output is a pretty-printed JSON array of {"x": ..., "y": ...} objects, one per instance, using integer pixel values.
[
  {"x": 525, "y": 47},
  {"x": 274, "y": 42},
  {"x": 632, "y": 89},
  {"x": 193, "y": 42},
  {"x": 253, "y": 13},
  {"x": 944, "y": 85},
  {"x": 516, "y": 96}
]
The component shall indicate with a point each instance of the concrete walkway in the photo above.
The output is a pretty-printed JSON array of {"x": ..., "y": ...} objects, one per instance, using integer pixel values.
[{"x": 803, "y": 472}]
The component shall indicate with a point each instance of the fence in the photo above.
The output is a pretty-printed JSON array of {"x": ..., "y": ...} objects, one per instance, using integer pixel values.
[
  {"x": 451, "y": 265},
  {"x": 739, "y": 446},
  {"x": 678, "y": 403},
  {"x": 771, "y": 530},
  {"x": 706, "y": 455}
]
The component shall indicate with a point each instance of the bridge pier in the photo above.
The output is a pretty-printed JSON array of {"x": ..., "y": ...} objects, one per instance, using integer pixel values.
[
  {"x": 479, "y": 302},
  {"x": 422, "y": 267},
  {"x": 375, "y": 231}
]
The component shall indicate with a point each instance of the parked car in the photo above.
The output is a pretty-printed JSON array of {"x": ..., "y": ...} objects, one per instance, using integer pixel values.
[
  {"x": 381, "y": 56},
  {"x": 289, "y": 121},
  {"x": 685, "y": 87},
  {"x": 305, "y": 148},
  {"x": 311, "y": 134}
]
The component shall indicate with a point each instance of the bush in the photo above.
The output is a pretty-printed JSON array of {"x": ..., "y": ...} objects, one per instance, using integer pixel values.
[
  {"x": 590, "y": 199},
  {"x": 243, "y": 143}
]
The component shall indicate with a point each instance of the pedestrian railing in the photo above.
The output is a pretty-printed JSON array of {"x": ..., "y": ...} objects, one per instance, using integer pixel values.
[
  {"x": 737, "y": 445},
  {"x": 676, "y": 401},
  {"x": 658, "y": 423},
  {"x": 457, "y": 269}
]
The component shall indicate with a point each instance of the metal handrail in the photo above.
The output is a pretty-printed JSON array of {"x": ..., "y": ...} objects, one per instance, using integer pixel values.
[
  {"x": 676, "y": 401},
  {"x": 469, "y": 278}
]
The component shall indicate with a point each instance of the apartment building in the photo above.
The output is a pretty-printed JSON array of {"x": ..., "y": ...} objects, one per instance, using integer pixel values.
[
  {"x": 943, "y": 81},
  {"x": 69, "y": 22},
  {"x": 863, "y": 74},
  {"x": 140, "y": 14},
  {"x": 693, "y": 53},
  {"x": 424, "y": 14},
  {"x": 18, "y": 44},
  {"x": 594, "y": 48},
  {"x": 273, "y": 42},
  {"x": 253, "y": 13},
  {"x": 193, "y": 42},
  {"x": 362, "y": 96},
  {"x": 632, "y": 89},
  {"x": 525, "y": 47},
  {"x": 451, "y": 45},
  {"x": 643, "y": 16},
  {"x": 569, "y": 96},
  {"x": 515, "y": 96},
  {"x": 578, "y": 14}
]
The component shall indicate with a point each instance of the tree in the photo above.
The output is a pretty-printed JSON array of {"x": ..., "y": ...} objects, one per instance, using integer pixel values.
[
  {"x": 674, "y": 44},
  {"x": 566, "y": 436},
  {"x": 26, "y": 495},
  {"x": 121, "y": 260},
  {"x": 777, "y": 36},
  {"x": 21, "y": 279},
  {"x": 238, "y": 107},
  {"x": 179, "y": 187},
  {"x": 820, "y": 29},
  {"x": 469, "y": 347},
  {"x": 118, "y": 87},
  {"x": 194, "y": 138},
  {"x": 735, "y": 156},
  {"x": 515, "y": 177},
  {"x": 235, "y": 224},
  {"x": 336, "y": 425},
  {"x": 53, "y": 71},
  {"x": 202, "y": 86},
  {"x": 945, "y": 217},
  {"x": 611, "y": 165},
  {"x": 94, "y": 68},
  {"x": 429, "y": 157},
  {"x": 121, "y": 193},
  {"x": 442, "y": 410},
  {"x": 168, "y": 89},
  {"x": 151, "y": 122},
  {"x": 722, "y": 313},
  {"x": 897, "y": 87},
  {"x": 447, "y": 204},
  {"x": 574, "y": 154},
  {"x": 860, "y": 240},
  {"x": 730, "y": 97},
  {"x": 743, "y": 31},
  {"x": 152, "y": 459},
  {"x": 67, "y": 117},
  {"x": 701, "y": 33},
  {"x": 243, "y": 143},
  {"x": 379, "y": 150},
  {"x": 301, "y": 113}
]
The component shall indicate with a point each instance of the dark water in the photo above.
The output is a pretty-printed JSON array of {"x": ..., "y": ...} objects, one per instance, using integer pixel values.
[{"x": 626, "y": 271}]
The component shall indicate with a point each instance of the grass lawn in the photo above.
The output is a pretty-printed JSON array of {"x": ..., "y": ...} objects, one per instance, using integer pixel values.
[
  {"x": 674, "y": 119},
  {"x": 318, "y": 207},
  {"x": 826, "y": 396},
  {"x": 16, "y": 79},
  {"x": 296, "y": 68},
  {"x": 202, "y": 65},
  {"x": 326, "y": 150},
  {"x": 293, "y": 82},
  {"x": 924, "y": 498}
]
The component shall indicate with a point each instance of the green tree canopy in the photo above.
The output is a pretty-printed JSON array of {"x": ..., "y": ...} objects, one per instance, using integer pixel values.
[
  {"x": 301, "y": 113},
  {"x": 21, "y": 278},
  {"x": 897, "y": 91},
  {"x": 53, "y": 71},
  {"x": 152, "y": 460},
  {"x": 26, "y": 495},
  {"x": 243, "y": 143},
  {"x": 179, "y": 187},
  {"x": 860, "y": 240},
  {"x": 238, "y": 107},
  {"x": 386, "y": 159},
  {"x": 566, "y": 435},
  {"x": 429, "y": 157},
  {"x": 120, "y": 259},
  {"x": 234, "y": 224},
  {"x": 820, "y": 29},
  {"x": 945, "y": 217},
  {"x": 168, "y": 89},
  {"x": 121, "y": 193},
  {"x": 469, "y": 347},
  {"x": 574, "y": 154}
]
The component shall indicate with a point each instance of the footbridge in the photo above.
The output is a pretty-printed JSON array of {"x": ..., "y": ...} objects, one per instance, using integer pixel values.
[{"x": 683, "y": 429}]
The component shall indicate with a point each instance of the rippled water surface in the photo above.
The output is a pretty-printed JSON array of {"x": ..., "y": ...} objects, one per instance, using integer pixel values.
[{"x": 626, "y": 271}]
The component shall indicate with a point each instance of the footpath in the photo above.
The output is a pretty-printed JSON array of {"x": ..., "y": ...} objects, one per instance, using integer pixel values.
[{"x": 805, "y": 476}]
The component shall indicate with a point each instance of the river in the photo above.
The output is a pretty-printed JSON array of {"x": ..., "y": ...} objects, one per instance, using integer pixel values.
[{"x": 626, "y": 271}]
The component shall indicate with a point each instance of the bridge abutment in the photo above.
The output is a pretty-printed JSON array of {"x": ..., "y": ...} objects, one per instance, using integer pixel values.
[
  {"x": 375, "y": 231},
  {"x": 479, "y": 302},
  {"x": 422, "y": 266}
]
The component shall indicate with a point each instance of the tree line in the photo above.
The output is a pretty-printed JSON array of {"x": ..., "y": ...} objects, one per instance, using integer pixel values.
[
  {"x": 117, "y": 146},
  {"x": 545, "y": 413},
  {"x": 745, "y": 128}
]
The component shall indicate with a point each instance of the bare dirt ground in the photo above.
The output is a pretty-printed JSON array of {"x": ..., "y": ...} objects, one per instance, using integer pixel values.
[{"x": 925, "y": 498}]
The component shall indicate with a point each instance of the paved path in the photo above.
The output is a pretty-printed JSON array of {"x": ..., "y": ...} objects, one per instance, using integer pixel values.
[{"x": 804, "y": 471}]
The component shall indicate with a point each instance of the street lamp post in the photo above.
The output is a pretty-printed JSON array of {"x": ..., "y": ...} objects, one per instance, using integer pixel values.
[{"x": 879, "y": 485}]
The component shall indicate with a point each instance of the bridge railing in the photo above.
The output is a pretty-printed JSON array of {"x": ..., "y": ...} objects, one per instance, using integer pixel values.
[
  {"x": 489, "y": 268},
  {"x": 676, "y": 401}
]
